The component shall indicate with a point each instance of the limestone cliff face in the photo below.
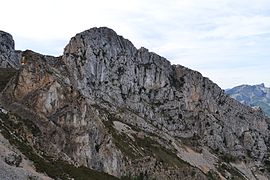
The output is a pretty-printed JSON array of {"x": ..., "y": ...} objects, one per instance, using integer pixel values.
[
  {"x": 128, "y": 112},
  {"x": 9, "y": 58}
]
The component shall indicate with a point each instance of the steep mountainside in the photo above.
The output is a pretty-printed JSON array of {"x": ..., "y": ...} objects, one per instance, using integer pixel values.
[
  {"x": 256, "y": 95},
  {"x": 128, "y": 112}
]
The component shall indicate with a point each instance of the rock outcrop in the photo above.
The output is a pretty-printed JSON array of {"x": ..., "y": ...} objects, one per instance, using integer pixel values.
[
  {"x": 14, "y": 165},
  {"x": 9, "y": 58},
  {"x": 128, "y": 112}
]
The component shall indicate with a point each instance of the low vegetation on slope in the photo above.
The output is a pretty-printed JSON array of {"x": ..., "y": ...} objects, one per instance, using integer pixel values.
[
  {"x": 56, "y": 169},
  {"x": 5, "y": 75},
  {"x": 108, "y": 106}
]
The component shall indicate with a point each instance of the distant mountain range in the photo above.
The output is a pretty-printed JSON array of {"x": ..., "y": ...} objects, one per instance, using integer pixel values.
[{"x": 256, "y": 95}]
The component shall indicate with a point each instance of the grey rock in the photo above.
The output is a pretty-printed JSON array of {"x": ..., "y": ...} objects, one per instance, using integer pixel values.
[
  {"x": 128, "y": 112},
  {"x": 13, "y": 164},
  {"x": 254, "y": 96},
  {"x": 9, "y": 58},
  {"x": 13, "y": 159}
]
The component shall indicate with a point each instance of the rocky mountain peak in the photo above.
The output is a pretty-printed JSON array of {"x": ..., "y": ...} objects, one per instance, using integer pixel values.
[
  {"x": 8, "y": 56},
  {"x": 100, "y": 39},
  {"x": 128, "y": 112},
  {"x": 261, "y": 85},
  {"x": 7, "y": 40}
]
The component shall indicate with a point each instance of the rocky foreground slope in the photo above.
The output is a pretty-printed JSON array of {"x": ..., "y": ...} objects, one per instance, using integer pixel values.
[
  {"x": 106, "y": 107},
  {"x": 254, "y": 96}
]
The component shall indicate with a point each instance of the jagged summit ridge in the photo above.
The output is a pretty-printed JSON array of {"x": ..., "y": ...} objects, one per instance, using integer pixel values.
[
  {"x": 100, "y": 38},
  {"x": 102, "y": 54},
  {"x": 111, "y": 107},
  {"x": 107, "y": 41}
]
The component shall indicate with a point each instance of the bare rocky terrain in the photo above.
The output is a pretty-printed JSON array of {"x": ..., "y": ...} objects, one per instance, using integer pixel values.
[
  {"x": 252, "y": 95},
  {"x": 106, "y": 110}
]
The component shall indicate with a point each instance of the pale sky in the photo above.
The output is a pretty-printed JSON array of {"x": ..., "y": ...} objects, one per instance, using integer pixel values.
[{"x": 226, "y": 40}]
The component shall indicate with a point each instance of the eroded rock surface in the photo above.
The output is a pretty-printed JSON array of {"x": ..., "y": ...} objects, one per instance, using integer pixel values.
[
  {"x": 15, "y": 165},
  {"x": 128, "y": 112},
  {"x": 9, "y": 58}
]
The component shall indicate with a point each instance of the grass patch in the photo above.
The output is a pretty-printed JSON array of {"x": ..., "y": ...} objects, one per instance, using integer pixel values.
[
  {"x": 122, "y": 141},
  {"x": 193, "y": 143},
  {"x": 5, "y": 75},
  {"x": 236, "y": 175},
  {"x": 167, "y": 157},
  {"x": 212, "y": 175},
  {"x": 228, "y": 158},
  {"x": 144, "y": 147},
  {"x": 142, "y": 176}
]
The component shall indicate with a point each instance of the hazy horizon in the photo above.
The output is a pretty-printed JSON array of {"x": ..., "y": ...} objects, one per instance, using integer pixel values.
[{"x": 226, "y": 41}]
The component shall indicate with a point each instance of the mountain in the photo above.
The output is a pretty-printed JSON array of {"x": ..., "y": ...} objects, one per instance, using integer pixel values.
[
  {"x": 106, "y": 110},
  {"x": 256, "y": 95}
]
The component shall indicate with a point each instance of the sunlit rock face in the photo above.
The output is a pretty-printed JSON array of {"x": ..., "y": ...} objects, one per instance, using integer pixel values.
[{"x": 128, "y": 112}]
